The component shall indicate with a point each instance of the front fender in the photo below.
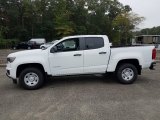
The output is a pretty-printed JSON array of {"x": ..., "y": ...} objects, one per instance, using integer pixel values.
[{"x": 29, "y": 60}]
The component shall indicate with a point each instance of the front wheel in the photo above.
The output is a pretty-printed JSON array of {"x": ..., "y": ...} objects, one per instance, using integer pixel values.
[
  {"x": 31, "y": 78},
  {"x": 126, "y": 73}
]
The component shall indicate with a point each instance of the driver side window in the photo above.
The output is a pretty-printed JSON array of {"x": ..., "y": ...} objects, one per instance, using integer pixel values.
[{"x": 68, "y": 45}]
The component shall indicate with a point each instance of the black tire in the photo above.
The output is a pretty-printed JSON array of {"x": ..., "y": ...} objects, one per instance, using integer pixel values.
[
  {"x": 42, "y": 48},
  {"x": 122, "y": 77},
  {"x": 39, "y": 74},
  {"x": 14, "y": 81}
]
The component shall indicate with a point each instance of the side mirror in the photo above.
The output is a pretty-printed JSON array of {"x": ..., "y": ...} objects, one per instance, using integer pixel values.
[{"x": 53, "y": 49}]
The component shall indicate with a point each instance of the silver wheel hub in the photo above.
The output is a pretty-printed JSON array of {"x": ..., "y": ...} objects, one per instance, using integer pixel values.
[
  {"x": 31, "y": 79},
  {"x": 127, "y": 74}
]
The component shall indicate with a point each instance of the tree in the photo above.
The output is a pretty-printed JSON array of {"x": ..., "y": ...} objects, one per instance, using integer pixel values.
[
  {"x": 63, "y": 24},
  {"x": 52, "y": 19},
  {"x": 124, "y": 23},
  {"x": 149, "y": 31}
]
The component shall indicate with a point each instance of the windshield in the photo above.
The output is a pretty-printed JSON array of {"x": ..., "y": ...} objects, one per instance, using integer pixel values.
[
  {"x": 54, "y": 41},
  {"x": 50, "y": 43}
]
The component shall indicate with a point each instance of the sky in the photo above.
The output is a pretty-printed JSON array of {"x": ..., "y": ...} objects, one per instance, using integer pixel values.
[{"x": 150, "y": 9}]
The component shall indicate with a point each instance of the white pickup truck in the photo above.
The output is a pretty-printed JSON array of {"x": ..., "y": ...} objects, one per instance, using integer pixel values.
[{"x": 79, "y": 55}]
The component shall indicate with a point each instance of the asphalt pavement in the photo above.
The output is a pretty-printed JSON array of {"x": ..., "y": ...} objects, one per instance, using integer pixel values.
[{"x": 83, "y": 98}]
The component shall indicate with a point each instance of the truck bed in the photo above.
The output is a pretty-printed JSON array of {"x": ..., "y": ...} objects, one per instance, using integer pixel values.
[
  {"x": 118, "y": 46},
  {"x": 140, "y": 52}
]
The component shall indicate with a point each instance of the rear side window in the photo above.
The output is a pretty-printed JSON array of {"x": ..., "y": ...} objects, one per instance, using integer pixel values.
[{"x": 93, "y": 42}]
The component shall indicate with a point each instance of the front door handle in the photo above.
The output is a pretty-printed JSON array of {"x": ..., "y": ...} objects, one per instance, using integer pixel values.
[
  {"x": 102, "y": 52},
  {"x": 77, "y": 55}
]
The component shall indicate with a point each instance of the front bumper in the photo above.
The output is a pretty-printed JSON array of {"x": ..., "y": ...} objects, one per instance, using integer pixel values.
[
  {"x": 152, "y": 66},
  {"x": 7, "y": 74},
  {"x": 14, "y": 80},
  {"x": 10, "y": 71}
]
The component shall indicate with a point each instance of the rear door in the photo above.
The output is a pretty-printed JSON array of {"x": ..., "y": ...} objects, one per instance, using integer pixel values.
[{"x": 95, "y": 55}]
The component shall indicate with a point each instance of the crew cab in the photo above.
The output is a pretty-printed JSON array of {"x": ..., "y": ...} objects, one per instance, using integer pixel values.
[{"x": 79, "y": 55}]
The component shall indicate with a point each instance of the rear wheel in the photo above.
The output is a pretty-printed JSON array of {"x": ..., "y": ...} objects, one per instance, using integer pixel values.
[
  {"x": 31, "y": 78},
  {"x": 126, "y": 73}
]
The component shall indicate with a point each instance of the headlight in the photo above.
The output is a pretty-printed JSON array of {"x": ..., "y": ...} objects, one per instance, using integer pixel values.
[{"x": 11, "y": 59}]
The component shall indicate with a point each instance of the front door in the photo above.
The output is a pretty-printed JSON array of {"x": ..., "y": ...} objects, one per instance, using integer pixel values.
[{"x": 68, "y": 58}]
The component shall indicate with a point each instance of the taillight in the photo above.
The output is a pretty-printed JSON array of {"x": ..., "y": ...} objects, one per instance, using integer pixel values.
[{"x": 154, "y": 54}]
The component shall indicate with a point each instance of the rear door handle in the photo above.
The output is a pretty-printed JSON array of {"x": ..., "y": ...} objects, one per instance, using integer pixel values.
[
  {"x": 77, "y": 55},
  {"x": 102, "y": 52}
]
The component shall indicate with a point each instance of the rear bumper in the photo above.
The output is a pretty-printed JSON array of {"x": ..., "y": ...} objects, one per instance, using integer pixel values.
[{"x": 152, "y": 66}]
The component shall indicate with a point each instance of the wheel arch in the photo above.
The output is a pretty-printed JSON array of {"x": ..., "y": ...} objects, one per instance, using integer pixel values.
[
  {"x": 27, "y": 65},
  {"x": 134, "y": 62}
]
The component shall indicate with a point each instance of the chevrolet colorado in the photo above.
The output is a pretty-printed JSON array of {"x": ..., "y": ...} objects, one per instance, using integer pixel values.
[{"x": 77, "y": 55}]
